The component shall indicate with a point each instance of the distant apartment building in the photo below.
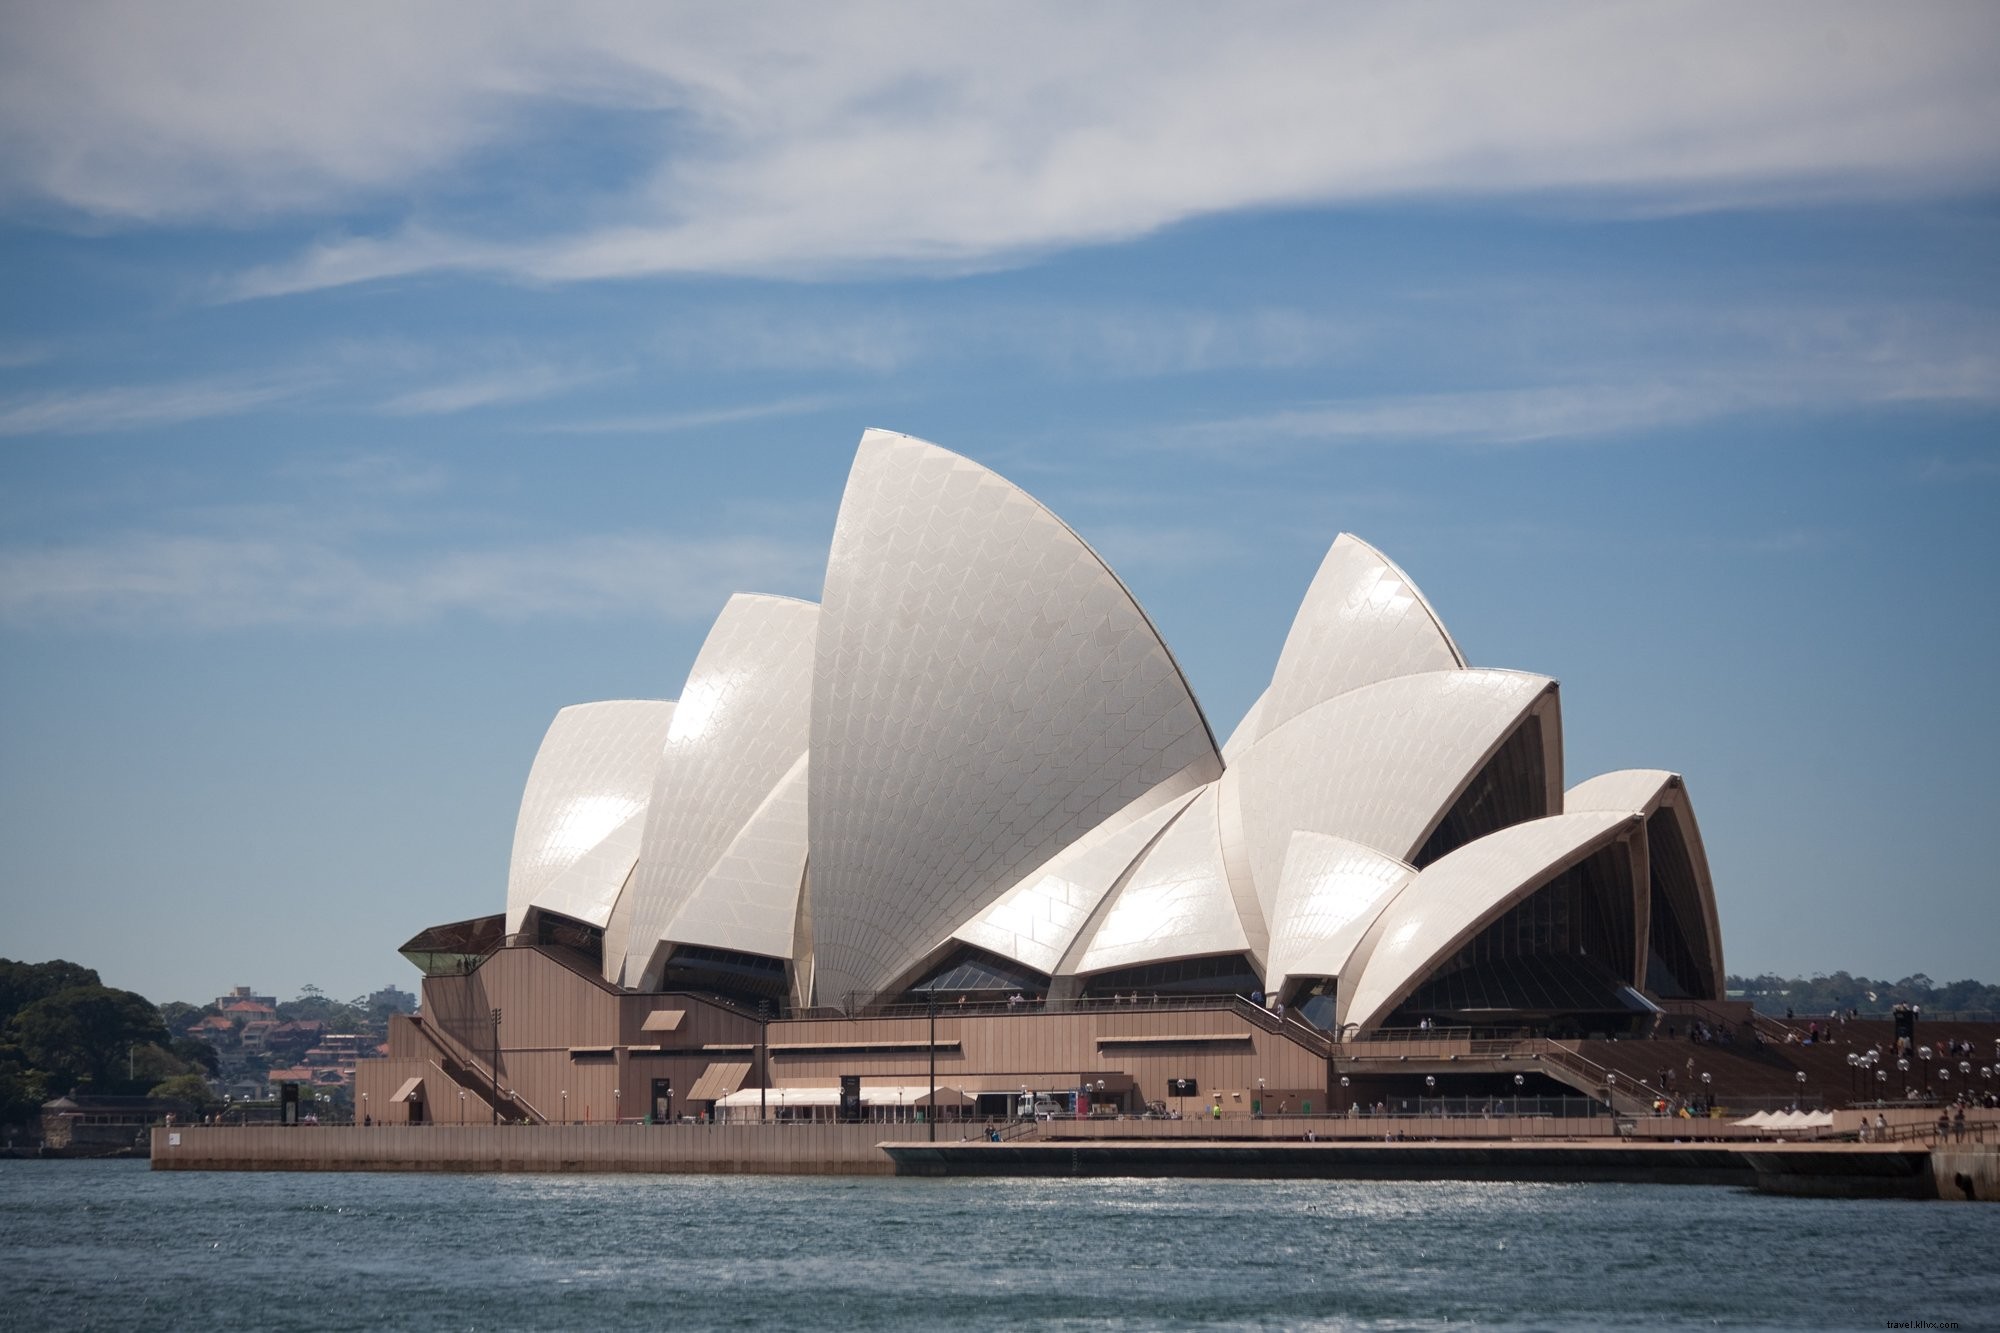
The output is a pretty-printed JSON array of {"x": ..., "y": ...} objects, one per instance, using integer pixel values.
[
  {"x": 394, "y": 999},
  {"x": 242, "y": 995}
]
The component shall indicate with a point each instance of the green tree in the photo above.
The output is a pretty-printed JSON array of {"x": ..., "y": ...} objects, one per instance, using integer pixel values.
[
  {"x": 187, "y": 1088},
  {"x": 86, "y": 1035},
  {"x": 21, "y": 984},
  {"x": 179, "y": 1015},
  {"x": 22, "y": 1090},
  {"x": 198, "y": 1055}
]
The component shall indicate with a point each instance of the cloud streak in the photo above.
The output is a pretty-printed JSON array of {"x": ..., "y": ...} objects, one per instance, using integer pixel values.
[
  {"x": 210, "y": 582},
  {"x": 497, "y": 388},
  {"x": 136, "y": 407},
  {"x": 954, "y": 137}
]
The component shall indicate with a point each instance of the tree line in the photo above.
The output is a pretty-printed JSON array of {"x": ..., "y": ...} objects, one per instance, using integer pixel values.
[
  {"x": 63, "y": 1030},
  {"x": 1821, "y": 993}
]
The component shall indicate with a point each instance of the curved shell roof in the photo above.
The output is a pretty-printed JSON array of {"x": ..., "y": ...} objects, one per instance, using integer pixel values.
[
  {"x": 1035, "y": 922},
  {"x": 1362, "y": 621},
  {"x": 749, "y": 899},
  {"x": 1451, "y": 900},
  {"x": 588, "y": 789},
  {"x": 1328, "y": 896},
  {"x": 986, "y": 692},
  {"x": 1177, "y": 902},
  {"x": 1633, "y": 790},
  {"x": 740, "y": 726},
  {"x": 1379, "y": 765}
]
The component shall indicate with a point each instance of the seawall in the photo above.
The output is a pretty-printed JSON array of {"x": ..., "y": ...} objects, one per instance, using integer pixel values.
[
  {"x": 803, "y": 1150},
  {"x": 1821, "y": 1170}
]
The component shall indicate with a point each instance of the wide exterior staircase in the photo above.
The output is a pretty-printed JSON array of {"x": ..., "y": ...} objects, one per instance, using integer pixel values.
[
  {"x": 1763, "y": 1067},
  {"x": 1751, "y": 1061},
  {"x": 412, "y": 1036}
]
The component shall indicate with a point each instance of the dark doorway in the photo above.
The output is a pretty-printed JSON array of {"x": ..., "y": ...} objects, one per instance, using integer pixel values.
[{"x": 663, "y": 1101}]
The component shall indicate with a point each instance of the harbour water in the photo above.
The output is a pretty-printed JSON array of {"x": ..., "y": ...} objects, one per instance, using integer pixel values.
[{"x": 112, "y": 1245}]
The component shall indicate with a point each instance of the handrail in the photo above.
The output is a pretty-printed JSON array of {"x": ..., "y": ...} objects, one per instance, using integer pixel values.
[
  {"x": 1605, "y": 1076},
  {"x": 1914, "y": 1130},
  {"x": 1074, "y": 1004},
  {"x": 457, "y": 1050}
]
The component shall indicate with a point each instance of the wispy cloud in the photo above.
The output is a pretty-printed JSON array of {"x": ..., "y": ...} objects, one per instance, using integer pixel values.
[
  {"x": 1535, "y": 413},
  {"x": 186, "y": 581},
  {"x": 669, "y": 423},
  {"x": 136, "y": 407},
  {"x": 1959, "y": 469},
  {"x": 955, "y": 137},
  {"x": 16, "y": 355},
  {"x": 495, "y": 388},
  {"x": 375, "y": 474},
  {"x": 1120, "y": 339}
]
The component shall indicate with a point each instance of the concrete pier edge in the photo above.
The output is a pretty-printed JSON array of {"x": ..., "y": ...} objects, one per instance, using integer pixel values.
[{"x": 1826, "y": 1170}]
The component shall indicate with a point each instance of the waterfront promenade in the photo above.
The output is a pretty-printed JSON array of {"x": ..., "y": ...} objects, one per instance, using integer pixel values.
[{"x": 1414, "y": 1148}]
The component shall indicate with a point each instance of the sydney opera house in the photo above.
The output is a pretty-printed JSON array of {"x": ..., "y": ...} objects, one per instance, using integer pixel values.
[{"x": 963, "y": 825}]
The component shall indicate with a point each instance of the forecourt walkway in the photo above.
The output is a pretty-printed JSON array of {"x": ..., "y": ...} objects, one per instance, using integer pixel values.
[{"x": 1902, "y": 1170}]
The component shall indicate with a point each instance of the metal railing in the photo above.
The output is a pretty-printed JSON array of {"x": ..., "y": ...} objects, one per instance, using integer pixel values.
[
  {"x": 483, "y": 1078},
  {"x": 1462, "y": 1108},
  {"x": 1018, "y": 1002}
]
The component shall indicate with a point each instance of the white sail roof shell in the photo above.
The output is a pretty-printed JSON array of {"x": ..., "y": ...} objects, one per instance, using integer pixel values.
[
  {"x": 749, "y": 899},
  {"x": 1632, "y": 790},
  {"x": 986, "y": 692},
  {"x": 1455, "y": 897},
  {"x": 1362, "y": 621},
  {"x": 590, "y": 889},
  {"x": 740, "y": 726},
  {"x": 588, "y": 789},
  {"x": 1035, "y": 922},
  {"x": 1379, "y": 765},
  {"x": 1177, "y": 902},
  {"x": 1328, "y": 895}
]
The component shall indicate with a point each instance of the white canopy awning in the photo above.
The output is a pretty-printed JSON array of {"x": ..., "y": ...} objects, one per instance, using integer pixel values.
[{"x": 904, "y": 1094}]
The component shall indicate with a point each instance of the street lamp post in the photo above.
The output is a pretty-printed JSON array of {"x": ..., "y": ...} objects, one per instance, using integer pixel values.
[
  {"x": 565, "y": 1100},
  {"x": 495, "y": 1071},
  {"x": 461, "y": 1106}
]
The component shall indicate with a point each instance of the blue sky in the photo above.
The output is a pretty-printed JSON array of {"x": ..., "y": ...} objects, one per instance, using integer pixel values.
[{"x": 373, "y": 385}]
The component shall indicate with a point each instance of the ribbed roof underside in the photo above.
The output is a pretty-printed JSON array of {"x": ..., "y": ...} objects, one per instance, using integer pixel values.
[{"x": 1449, "y": 901}]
